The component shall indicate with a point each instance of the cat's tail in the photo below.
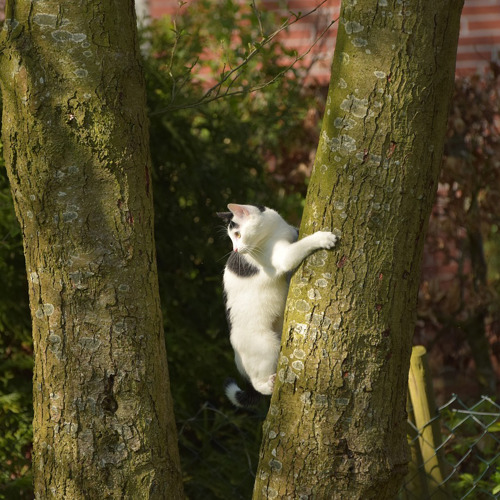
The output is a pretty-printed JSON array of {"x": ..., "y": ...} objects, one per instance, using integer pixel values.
[{"x": 240, "y": 398}]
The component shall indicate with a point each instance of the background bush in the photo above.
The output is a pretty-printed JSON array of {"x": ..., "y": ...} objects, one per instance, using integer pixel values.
[
  {"x": 459, "y": 300},
  {"x": 16, "y": 362}
]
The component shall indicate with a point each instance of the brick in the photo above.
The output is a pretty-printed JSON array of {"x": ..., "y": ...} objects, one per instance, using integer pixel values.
[
  {"x": 302, "y": 5},
  {"x": 485, "y": 25},
  {"x": 298, "y": 32},
  {"x": 469, "y": 68},
  {"x": 160, "y": 8},
  {"x": 472, "y": 3},
  {"x": 470, "y": 10},
  {"x": 474, "y": 56},
  {"x": 480, "y": 40},
  {"x": 271, "y": 4},
  {"x": 477, "y": 49}
]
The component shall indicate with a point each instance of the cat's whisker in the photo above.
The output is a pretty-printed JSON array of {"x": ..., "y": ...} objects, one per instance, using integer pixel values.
[
  {"x": 224, "y": 256},
  {"x": 222, "y": 230},
  {"x": 256, "y": 250},
  {"x": 256, "y": 253}
]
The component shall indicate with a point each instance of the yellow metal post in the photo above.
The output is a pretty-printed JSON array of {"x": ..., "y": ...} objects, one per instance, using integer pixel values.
[{"x": 424, "y": 411}]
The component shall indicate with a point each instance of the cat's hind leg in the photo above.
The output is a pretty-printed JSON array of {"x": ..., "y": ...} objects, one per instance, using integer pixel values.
[
  {"x": 257, "y": 359},
  {"x": 264, "y": 385}
]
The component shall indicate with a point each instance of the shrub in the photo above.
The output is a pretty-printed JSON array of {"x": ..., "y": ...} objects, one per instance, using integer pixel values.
[
  {"x": 16, "y": 408},
  {"x": 459, "y": 296}
]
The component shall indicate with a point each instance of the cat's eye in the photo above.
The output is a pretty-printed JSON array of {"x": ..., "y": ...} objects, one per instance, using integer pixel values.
[{"x": 237, "y": 234}]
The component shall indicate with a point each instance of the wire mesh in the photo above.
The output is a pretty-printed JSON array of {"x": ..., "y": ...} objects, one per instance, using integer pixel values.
[{"x": 468, "y": 453}]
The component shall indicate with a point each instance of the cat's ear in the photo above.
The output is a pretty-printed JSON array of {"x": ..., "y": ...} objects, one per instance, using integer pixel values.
[
  {"x": 225, "y": 216},
  {"x": 240, "y": 211}
]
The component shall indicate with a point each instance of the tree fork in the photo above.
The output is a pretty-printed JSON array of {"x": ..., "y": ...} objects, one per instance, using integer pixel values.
[
  {"x": 336, "y": 427},
  {"x": 76, "y": 140}
]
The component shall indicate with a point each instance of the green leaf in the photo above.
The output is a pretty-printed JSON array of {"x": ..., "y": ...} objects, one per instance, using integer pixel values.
[{"x": 494, "y": 427}]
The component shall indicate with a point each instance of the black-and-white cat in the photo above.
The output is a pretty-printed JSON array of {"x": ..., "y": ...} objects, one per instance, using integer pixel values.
[{"x": 256, "y": 278}]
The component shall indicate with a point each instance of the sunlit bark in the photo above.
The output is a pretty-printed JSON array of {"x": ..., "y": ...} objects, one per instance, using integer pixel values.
[{"x": 336, "y": 428}]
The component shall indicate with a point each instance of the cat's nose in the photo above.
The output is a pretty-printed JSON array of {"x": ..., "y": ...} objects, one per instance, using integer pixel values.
[{"x": 235, "y": 249}]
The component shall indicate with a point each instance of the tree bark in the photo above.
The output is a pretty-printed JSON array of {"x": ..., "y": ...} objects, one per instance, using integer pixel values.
[
  {"x": 336, "y": 427},
  {"x": 76, "y": 141}
]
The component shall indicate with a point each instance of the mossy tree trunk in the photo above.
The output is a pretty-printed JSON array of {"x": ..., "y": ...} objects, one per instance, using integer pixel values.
[
  {"x": 76, "y": 143},
  {"x": 336, "y": 428}
]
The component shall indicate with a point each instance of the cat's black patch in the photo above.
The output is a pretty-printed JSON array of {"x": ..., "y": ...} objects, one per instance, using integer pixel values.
[
  {"x": 240, "y": 266},
  {"x": 228, "y": 317},
  {"x": 227, "y": 217},
  {"x": 262, "y": 208}
]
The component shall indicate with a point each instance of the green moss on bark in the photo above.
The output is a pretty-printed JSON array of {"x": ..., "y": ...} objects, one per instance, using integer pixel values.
[{"x": 76, "y": 143}]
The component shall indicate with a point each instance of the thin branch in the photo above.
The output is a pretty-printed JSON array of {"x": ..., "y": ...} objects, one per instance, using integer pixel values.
[{"x": 259, "y": 19}]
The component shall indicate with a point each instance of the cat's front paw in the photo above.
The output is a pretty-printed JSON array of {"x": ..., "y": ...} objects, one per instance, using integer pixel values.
[{"x": 325, "y": 239}]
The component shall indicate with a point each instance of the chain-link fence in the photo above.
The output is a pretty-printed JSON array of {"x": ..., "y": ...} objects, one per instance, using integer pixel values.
[
  {"x": 460, "y": 458},
  {"x": 455, "y": 449}
]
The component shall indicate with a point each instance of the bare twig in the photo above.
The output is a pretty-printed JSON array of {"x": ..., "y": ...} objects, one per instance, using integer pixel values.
[{"x": 259, "y": 19}]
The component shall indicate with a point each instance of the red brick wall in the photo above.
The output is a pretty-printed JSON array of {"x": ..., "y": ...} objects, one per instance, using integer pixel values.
[
  {"x": 479, "y": 35},
  {"x": 303, "y": 34}
]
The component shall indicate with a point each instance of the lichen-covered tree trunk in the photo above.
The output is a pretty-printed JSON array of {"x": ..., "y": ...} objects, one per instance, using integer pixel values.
[
  {"x": 75, "y": 136},
  {"x": 336, "y": 428}
]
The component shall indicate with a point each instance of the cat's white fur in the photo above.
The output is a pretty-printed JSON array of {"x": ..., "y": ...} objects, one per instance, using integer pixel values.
[{"x": 255, "y": 301}]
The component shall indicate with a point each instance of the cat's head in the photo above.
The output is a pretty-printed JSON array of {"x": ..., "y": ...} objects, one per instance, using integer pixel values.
[{"x": 248, "y": 225}]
